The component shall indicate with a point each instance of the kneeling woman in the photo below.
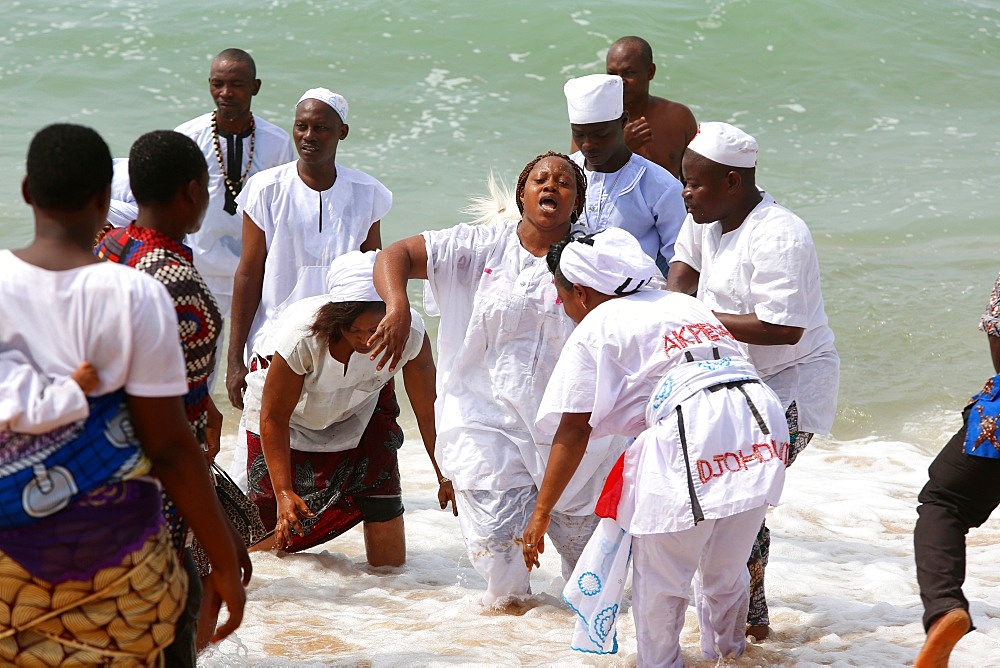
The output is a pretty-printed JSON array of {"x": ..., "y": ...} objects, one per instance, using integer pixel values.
[
  {"x": 321, "y": 420},
  {"x": 692, "y": 489}
]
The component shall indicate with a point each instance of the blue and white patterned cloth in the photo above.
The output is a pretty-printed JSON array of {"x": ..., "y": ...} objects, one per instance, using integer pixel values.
[{"x": 595, "y": 589}]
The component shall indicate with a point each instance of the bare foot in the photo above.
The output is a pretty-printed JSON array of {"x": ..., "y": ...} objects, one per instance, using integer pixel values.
[
  {"x": 758, "y": 632},
  {"x": 944, "y": 633}
]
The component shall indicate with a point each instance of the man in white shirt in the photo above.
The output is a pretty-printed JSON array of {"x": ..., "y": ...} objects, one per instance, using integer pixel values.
[
  {"x": 297, "y": 218},
  {"x": 754, "y": 264},
  {"x": 624, "y": 189},
  {"x": 237, "y": 144}
]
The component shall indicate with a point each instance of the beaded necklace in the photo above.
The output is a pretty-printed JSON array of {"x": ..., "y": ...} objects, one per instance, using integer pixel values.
[{"x": 234, "y": 191}]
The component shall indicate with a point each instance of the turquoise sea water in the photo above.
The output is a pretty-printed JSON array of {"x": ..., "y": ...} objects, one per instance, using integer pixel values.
[{"x": 876, "y": 120}]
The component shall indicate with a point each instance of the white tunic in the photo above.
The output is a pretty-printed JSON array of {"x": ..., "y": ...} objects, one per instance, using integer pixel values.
[
  {"x": 305, "y": 230},
  {"x": 336, "y": 403},
  {"x": 120, "y": 320},
  {"x": 629, "y": 363},
  {"x": 641, "y": 198},
  {"x": 502, "y": 327},
  {"x": 219, "y": 242},
  {"x": 768, "y": 266}
]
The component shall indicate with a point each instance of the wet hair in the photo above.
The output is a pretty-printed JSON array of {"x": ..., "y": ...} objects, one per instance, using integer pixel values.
[
  {"x": 581, "y": 182},
  {"x": 645, "y": 50},
  {"x": 238, "y": 56},
  {"x": 162, "y": 162},
  {"x": 67, "y": 166},
  {"x": 333, "y": 318}
]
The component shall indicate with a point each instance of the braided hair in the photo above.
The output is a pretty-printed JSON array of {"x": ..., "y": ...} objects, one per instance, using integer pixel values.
[{"x": 581, "y": 182}]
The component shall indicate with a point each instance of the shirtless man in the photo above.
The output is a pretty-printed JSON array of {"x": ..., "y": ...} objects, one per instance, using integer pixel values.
[{"x": 658, "y": 129}]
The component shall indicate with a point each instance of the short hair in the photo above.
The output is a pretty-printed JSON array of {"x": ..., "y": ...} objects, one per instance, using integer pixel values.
[
  {"x": 162, "y": 162},
  {"x": 581, "y": 182},
  {"x": 67, "y": 166},
  {"x": 645, "y": 50},
  {"x": 333, "y": 317},
  {"x": 239, "y": 56}
]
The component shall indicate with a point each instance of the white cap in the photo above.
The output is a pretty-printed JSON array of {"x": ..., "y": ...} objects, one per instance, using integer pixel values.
[
  {"x": 595, "y": 98},
  {"x": 349, "y": 278},
  {"x": 725, "y": 144},
  {"x": 335, "y": 100},
  {"x": 610, "y": 261}
]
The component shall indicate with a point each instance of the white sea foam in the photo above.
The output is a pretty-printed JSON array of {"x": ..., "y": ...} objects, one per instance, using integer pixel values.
[{"x": 841, "y": 584}]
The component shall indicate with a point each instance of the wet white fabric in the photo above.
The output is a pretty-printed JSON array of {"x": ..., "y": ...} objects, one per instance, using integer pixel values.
[
  {"x": 713, "y": 554},
  {"x": 594, "y": 98},
  {"x": 641, "y": 198},
  {"x": 31, "y": 403},
  {"x": 349, "y": 278},
  {"x": 503, "y": 327},
  {"x": 336, "y": 402},
  {"x": 610, "y": 261},
  {"x": 335, "y": 101},
  {"x": 304, "y": 231},
  {"x": 219, "y": 242},
  {"x": 123, "y": 208},
  {"x": 725, "y": 144},
  {"x": 492, "y": 525},
  {"x": 768, "y": 266}
]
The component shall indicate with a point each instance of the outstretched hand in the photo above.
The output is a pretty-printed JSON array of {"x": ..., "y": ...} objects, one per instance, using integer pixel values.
[
  {"x": 290, "y": 508},
  {"x": 390, "y": 337},
  {"x": 534, "y": 539}
]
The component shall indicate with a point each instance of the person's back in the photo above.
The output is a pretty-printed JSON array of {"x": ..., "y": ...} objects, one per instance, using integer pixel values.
[{"x": 658, "y": 129}]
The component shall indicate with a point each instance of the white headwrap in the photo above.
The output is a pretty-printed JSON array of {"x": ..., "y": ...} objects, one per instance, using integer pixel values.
[
  {"x": 610, "y": 261},
  {"x": 595, "y": 98},
  {"x": 349, "y": 278},
  {"x": 335, "y": 100},
  {"x": 725, "y": 144}
]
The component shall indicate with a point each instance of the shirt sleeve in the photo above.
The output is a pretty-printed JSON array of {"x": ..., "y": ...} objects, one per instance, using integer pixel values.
[
  {"x": 687, "y": 248},
  {"x": 156, "y": 368},
  {"x": 669, "y": 213},
  {"x": 990, "y": 322},
  {"x": 252, "y": 201},
  {"x": 784, "y": 266},
  {"x": 456, "y": 259}
]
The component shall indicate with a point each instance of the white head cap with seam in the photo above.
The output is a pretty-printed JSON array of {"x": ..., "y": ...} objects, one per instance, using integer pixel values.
[
  {"x": 725, "y": 144},
  {"x": 595, "y": 98},
  {"x": 336, "y": 101}
]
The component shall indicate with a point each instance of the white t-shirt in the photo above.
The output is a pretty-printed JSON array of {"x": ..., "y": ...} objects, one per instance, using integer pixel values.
[
  {"x": 31, "y": 403},
  {"x": 669, "y": 345},
  {"x": 120, "y": 320},
  {"x": 641, "y": 198},
  {"x": 305, "y": 230},
  {"x": 502, "y": 327},
  {"x": 336, "y": 403},
  {"x": 768, "y": 266},
  {"x": 219, "y": 242}
]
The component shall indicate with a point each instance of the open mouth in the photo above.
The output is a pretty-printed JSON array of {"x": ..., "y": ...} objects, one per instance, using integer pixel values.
[{"x": 548, "y": 204}]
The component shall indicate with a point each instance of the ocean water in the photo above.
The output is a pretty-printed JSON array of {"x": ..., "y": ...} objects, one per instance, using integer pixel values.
[{"x": 877, "y": 124}]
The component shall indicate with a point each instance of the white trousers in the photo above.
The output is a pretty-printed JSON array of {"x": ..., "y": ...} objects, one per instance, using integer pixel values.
[
  {"x": 492, "y": 525},
  {"x": 713, "y": 554}
]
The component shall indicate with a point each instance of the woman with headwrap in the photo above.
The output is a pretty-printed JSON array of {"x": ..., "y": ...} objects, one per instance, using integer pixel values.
[
  {"x": 500, "y": 334},
  {"x": 688, "y": 495},
  {"x": 321, "y": 420}
]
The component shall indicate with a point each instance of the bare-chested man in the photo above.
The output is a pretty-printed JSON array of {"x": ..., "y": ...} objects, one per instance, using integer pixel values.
[{"x": 658, "y": 129}]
